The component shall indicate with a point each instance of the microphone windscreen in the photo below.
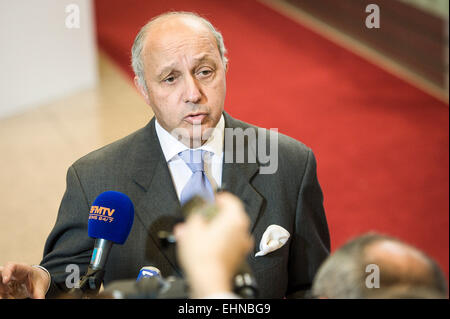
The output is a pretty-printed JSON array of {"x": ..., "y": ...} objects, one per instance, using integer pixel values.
[{"x": 111, "y": 217}]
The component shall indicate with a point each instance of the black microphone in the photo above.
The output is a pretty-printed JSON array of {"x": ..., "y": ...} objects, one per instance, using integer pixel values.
[
  {"x": 144, "y": 288},
  {"x": 148, "y": 285},
  {"x": 110, "y": 221},
  {"x": 244, "y": 282}
]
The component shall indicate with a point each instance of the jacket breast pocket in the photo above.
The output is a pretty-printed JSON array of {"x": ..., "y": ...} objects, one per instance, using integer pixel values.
[
  {"x": 271, "y": 272},
  {"x": 277, "y": 257}
]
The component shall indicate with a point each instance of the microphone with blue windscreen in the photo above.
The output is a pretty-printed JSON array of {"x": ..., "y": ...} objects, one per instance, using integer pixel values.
[
  {"x": 111, "y": 217},
  {"x": 110, "y": 221}
]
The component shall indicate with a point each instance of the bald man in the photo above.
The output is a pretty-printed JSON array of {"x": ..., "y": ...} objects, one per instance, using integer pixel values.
[
  {"x": 379, "y": 266},
  {"x": 180, "y": 65}
]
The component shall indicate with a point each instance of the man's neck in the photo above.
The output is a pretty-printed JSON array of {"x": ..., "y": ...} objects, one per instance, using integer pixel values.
[{"x": 171, "y": 143}]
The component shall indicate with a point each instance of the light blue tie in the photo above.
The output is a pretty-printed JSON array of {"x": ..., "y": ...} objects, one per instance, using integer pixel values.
[{"x": 199, "y": 183}]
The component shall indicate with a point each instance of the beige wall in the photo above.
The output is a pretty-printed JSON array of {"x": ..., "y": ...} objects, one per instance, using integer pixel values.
[
  {"x": 39, "y": 145},
  {"x": 41, "y": 57}
]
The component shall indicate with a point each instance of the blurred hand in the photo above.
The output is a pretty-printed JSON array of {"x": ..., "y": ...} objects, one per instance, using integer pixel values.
[
  {"x": 210, "y": 252},
  {"x": 19, "y": 280}
]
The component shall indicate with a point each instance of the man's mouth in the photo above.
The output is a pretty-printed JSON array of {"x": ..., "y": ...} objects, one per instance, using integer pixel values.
[{"x": 195, "y": 118}]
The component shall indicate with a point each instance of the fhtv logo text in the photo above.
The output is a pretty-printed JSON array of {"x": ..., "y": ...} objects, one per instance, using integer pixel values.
[{"x": 101, "y": 213}]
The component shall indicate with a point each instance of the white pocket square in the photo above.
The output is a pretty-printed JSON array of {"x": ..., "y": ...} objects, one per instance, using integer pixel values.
[{"x": 273, "y": 238}]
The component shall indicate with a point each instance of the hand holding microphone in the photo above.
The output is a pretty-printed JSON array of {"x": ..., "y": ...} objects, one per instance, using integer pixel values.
[
  {"x": 110, "y": 221},
  {"x": 211, "y": 250}
]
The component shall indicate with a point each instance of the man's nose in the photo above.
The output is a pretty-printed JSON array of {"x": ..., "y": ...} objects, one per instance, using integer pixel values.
[{"x": 192, "y": 92}]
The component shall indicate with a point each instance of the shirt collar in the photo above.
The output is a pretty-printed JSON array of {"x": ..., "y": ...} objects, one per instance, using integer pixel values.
[{"x": 171, "y": 146}]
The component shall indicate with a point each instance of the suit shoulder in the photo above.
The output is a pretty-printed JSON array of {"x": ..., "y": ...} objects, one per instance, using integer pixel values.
[
  {"x": 108, "y": 153},
  {"x": 286, "y": 144},
  {"x": 293, "y": 155}
]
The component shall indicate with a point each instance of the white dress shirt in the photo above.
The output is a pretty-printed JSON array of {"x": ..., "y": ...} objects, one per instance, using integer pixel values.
[{"x": 180, "y": 172}]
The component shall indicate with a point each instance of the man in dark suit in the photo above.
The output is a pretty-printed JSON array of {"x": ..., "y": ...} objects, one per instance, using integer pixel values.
[{"x": 180, "y": 65}]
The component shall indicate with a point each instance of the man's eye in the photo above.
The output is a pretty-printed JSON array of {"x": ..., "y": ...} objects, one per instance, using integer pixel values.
[
  {"x": 204, "y": 73},
  {"x": 169, "y": 79}
]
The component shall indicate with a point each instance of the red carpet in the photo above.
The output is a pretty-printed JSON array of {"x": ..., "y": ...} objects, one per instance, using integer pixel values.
[{"x": 381, "y": 144}]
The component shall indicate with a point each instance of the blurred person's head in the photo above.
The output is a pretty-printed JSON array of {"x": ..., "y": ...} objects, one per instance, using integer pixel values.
[
  {"x": 180, "y": 66},
  {"x": 405, "y": 292},
  {"x": 351, "y": 271}
]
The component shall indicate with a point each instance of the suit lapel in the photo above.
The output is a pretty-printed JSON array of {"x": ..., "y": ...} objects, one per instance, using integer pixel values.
[
  {"x": 158, "y": 207},
  {"x": 237, "y": 176}
]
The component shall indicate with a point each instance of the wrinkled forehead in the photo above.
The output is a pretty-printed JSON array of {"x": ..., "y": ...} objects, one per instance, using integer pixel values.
[{"x": 173, "y": 38}]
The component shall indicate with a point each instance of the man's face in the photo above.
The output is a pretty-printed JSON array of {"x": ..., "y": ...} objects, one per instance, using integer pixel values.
[{"x": 185, "y": 77}]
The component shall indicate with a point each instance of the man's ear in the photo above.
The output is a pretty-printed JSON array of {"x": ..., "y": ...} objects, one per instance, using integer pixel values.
[{"x": 141, "y": 90}]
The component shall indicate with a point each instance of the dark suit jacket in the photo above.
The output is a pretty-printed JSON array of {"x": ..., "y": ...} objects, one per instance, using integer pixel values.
[{"x": 135, "y": 165}]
